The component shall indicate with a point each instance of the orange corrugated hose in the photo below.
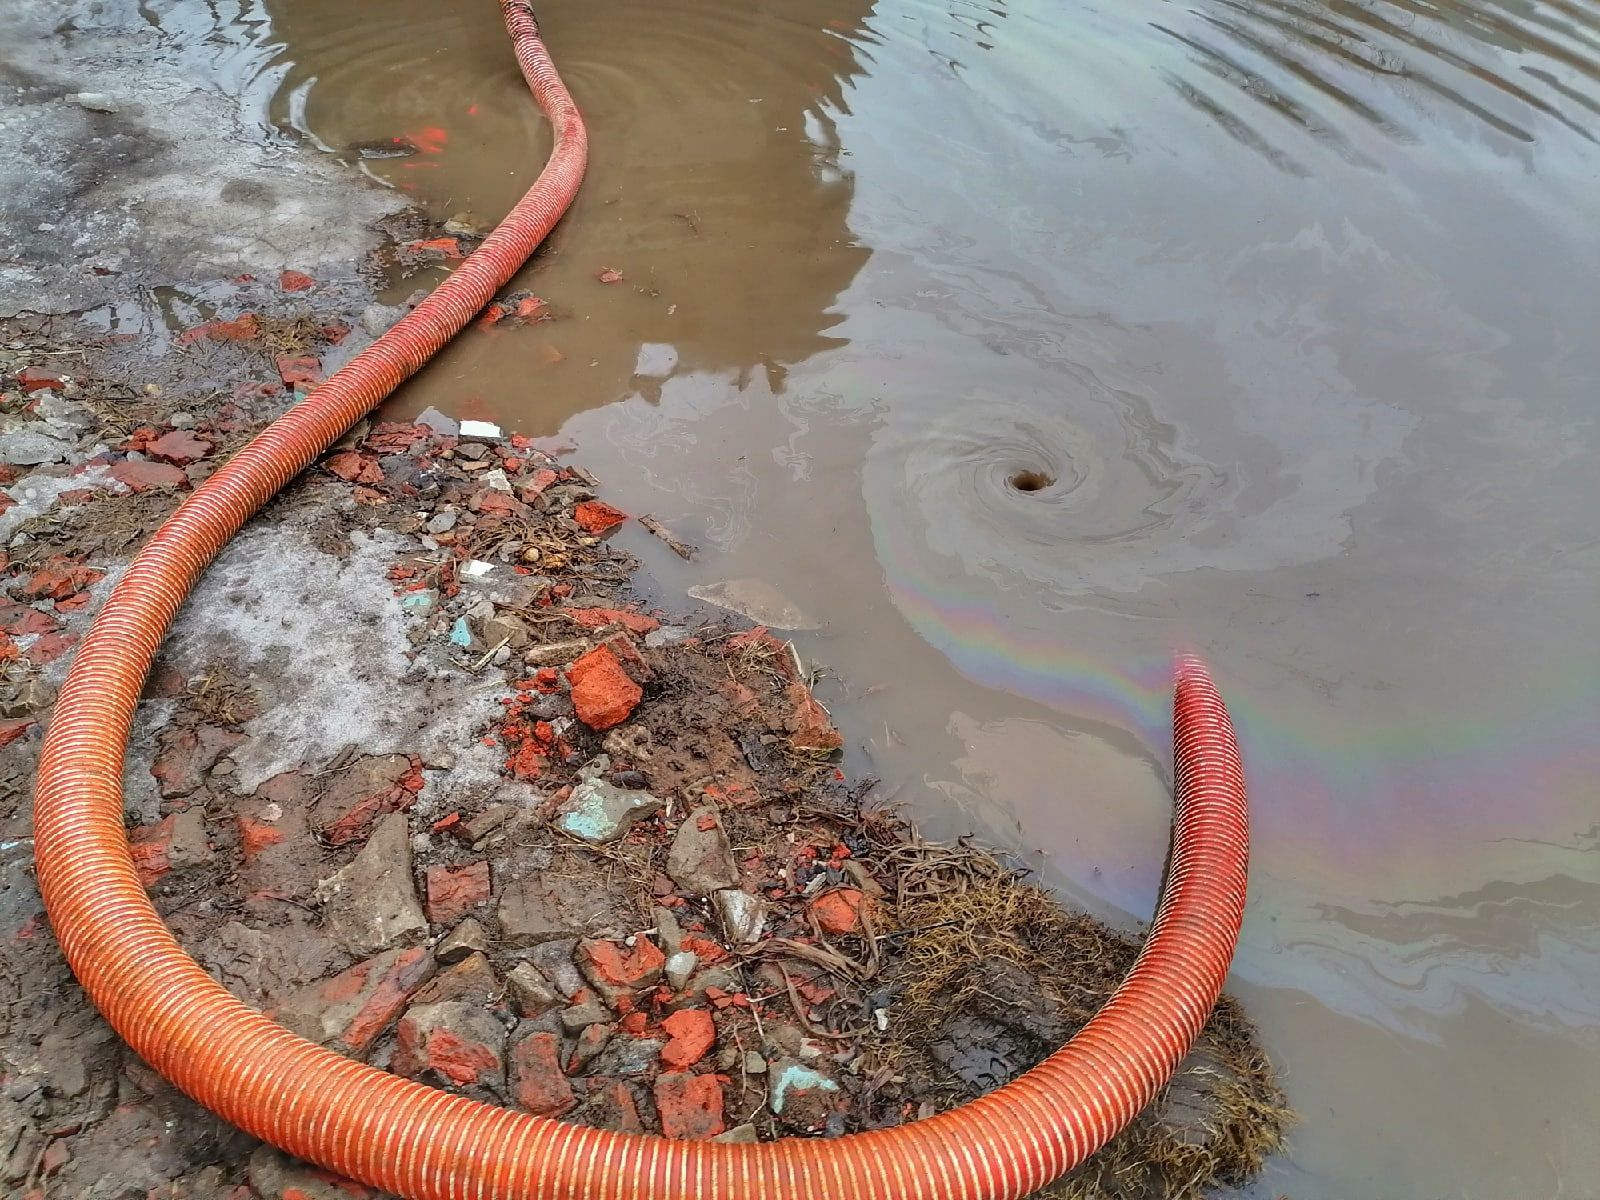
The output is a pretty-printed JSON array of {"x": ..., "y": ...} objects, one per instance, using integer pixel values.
[{"x": 429, "y": 1145}]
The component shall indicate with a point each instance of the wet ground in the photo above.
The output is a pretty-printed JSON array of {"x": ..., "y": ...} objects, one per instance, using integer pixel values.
[{"x": 1281, "y": 314}]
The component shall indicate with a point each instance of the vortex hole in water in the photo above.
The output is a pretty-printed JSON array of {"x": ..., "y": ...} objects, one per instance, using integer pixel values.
[{"x": 1030, "y": 481}]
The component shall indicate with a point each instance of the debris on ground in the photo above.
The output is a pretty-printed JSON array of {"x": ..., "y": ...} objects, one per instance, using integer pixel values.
[{"x": 660, "y": 906}]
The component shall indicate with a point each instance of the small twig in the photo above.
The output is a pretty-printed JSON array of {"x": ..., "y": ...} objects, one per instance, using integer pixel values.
[
  {"x": 682, "y": 549},
  {"x": 488, "y": 654}
]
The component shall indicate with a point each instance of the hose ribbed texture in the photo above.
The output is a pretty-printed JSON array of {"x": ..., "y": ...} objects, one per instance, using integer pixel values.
[{"x": 426, "y": 1144}]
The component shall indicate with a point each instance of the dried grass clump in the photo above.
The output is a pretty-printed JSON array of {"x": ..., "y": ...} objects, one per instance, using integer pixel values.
[{"x": 986, "y": 953}]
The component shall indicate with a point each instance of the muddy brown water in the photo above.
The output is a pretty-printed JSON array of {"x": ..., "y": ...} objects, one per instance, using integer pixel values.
[{"x": 1018, "y": 344}]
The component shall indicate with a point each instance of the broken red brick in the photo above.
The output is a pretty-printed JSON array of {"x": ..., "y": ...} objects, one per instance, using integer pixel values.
[
  {"x": 300, "y": 370},
  {"x": 596, "y": 516},
  {"x": 388, "y": 996},
  {"x": 146, "y": 476},
  {"x": 602, "y": 692},
  {"x": 703, "y": 948},
  {"x": 693, "y": 1034},
  {"x": 59, "y": 578},
  {"x": 149, "y": 845},
  {"x": 614, "y": 1107},
  {"x": 425, "y": 1045},
  {"x": 497, "y": 503},
  {"x": 591, "y": 1041},
  {"x": 50, "y": 647},
  {"x": 34, "y": 379},
  {"x": 241, "y": 329},
  {"x": 810, "y": 727},
  {"x": 594, "y": 618},
  {"x": 541, "y": 480},
  {"x": 839, "y": 911},
  {"x": 453, "y": 892},
  {"x": 353, "y": 467},
  {"x": 10, "y": 731},
  {"x": 179, "y": 447},
  {"x": 537, "y": 1082},
  {"x": 256, "y": 836},
  {"x": 23, "y": 621},
  {"x": 443, "y": 247},
  {"x": 617, "y": 969},
  {"x": 367, "y": 790},
  {"x": 56, "y": 1155},
  {"x": 296, "y": 281},
  {"x": 690, "y": 1105}
]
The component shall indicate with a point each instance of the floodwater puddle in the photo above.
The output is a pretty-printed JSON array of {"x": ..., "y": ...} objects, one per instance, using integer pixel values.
[{"x": 1019, "y": 345}]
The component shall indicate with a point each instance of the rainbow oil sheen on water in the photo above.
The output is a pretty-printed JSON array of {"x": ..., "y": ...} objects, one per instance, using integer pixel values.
[{"x": 1289, "y": 306}]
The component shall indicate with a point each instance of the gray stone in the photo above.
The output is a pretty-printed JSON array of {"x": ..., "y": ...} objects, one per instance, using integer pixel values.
[
  {"x": 188, "y": 846},
  {"x": 632, "y": 742},
  {"x": 600, "y": 812},
  {"x": 669, "y": 934},
  {"x": 581, "y": 1016},
  {"x": 528, "y": 915},
  {"x": 486, "y": 822},
  {"x": 67, "y": 418},
  {"x": 756, "y": 599},
  {"x": 701, "y": 859},
  {"x": 629, "y": 1057},
  {"x": 738, "y": 1134},
  {"x": 505, "y": 631},
  {"x": 742, "y": 915},
  {"x": 504, "y": 587},
  {"x": 530, "y": 991},
  {"x": 30, "y": 448},
  {"x": 754, "y": 1064},
  {"x": 667, "y": 635},
  {"x": 680, "y": 967},
  {"x": 466, "y": 938},
  {"x": 555, "y": 654},
  {"x": 372, "y": 903},
  {"x": 442, "y": 522},
  {"x": 554, "y": 958},
  {"x": 94, "y": 101},
  {"x": 436, "y": 420},
  {"x": 591, "y": 1042}
]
